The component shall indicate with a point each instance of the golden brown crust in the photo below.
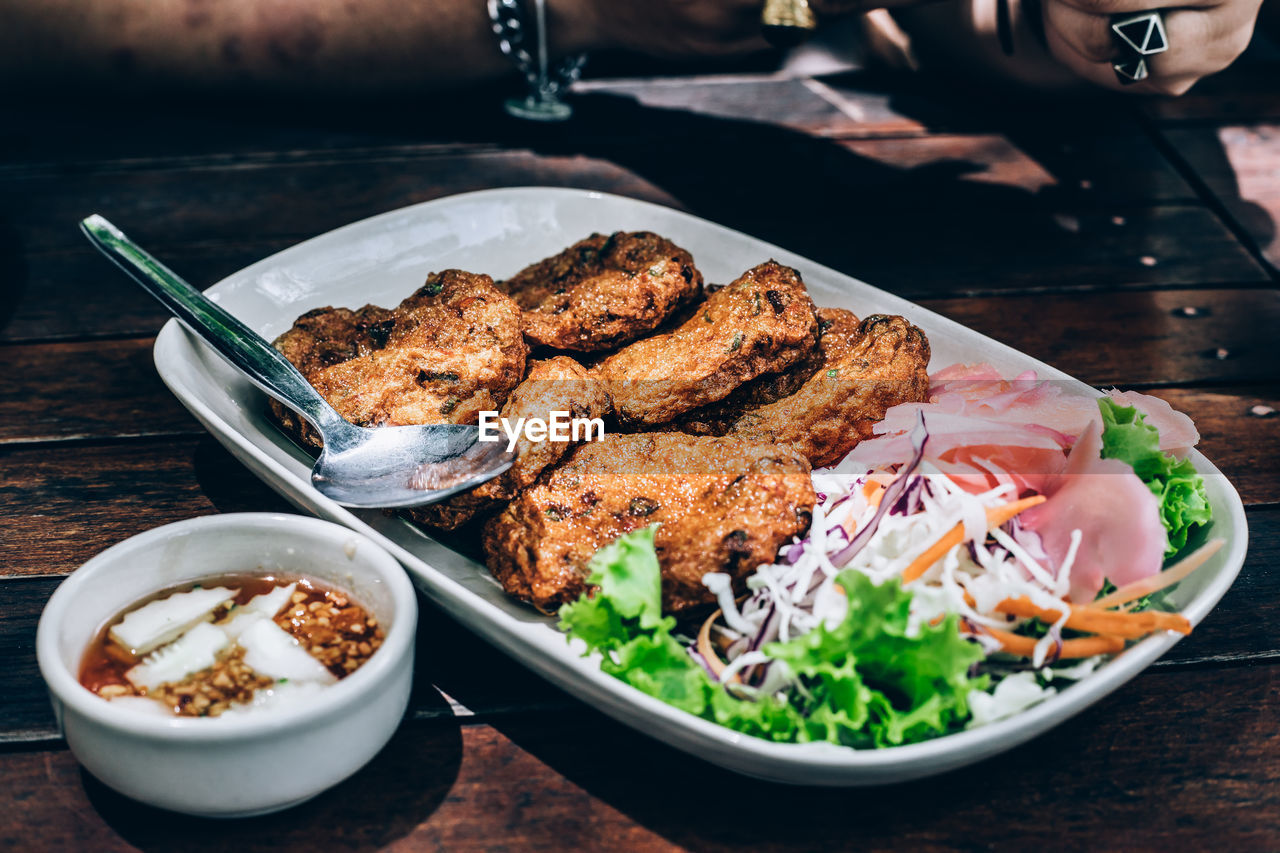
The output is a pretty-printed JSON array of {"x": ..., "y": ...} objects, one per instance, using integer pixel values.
[
  {"x": 454, "y": 348},
  {"x": 719, "y": 418},
  {"x": 723, "y": 505},
  {"x": 326, "y": 336},
  {"x": 604, "y": 291},
  {"x": 746, "y": 393},
  {"x": 555, "y": 384},
  {"x": 764, "y": 322},
  {"x": 868, "y": 368}
]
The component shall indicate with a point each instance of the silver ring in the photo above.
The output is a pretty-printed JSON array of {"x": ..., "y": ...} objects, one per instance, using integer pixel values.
[{"x": 1138, "y": 36}]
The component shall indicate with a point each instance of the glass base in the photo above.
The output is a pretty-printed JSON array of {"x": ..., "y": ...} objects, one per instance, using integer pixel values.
[{"x": 539, "y": 109}]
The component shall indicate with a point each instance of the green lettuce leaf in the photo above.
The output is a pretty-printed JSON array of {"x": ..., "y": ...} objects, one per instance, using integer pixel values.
[
  {"x": 867, "y": 679},
  {"x": 1183, "y": 502},
  {"x": 864, "y": 683},
  {"x": 622, "y": 619},
  {"x": 629, "y": 595}
]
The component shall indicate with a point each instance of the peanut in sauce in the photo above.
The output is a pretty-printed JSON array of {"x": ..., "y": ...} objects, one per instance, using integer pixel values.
[{"x": 332, "y": 627}]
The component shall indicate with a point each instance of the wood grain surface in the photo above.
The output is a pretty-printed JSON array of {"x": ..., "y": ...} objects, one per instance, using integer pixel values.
[
  {"x": 1237, "y": 164},
  {"x": 528, "y": 783},
  {"x": 1127, "y": 243}
]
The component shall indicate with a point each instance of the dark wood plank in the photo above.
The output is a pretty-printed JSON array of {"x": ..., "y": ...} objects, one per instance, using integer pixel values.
[
  {"x": 1239, "y": 433},
  {"x": 1158, "y": 337},
  {"x": 1200, "y": 744},
  {"x": 163, "y": 207},
  {"x": 104, "y": 389},
  {"x": 1068, "y": 238},
  {"x": 1071, "y": 169},
  {"x": 75, "y": 293},
  {"x": 480, "y": 681},
  {"x": 65, "y": 134},
  {"x": 1237, "y": 630},
  {"x": 971, "y": 239},
  {"x": 60, "y": 506},
  {"x": 202, "y": 136},
  {"x": 195, "y": 135},
  {"x": 1238, "y": 165}
]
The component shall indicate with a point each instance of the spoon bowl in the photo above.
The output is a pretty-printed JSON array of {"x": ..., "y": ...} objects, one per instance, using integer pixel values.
[
  {"x": 400, "y": 464},
  {"x": 381, "y": 467}
]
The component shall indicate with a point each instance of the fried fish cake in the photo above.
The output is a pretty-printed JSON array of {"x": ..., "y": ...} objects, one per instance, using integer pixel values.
[
  {"x": 719, "y": 418},
  {"x": 867, "y": 368},
  {"x": 326, "y": 336},
  {"x": 722, "y": 505},
  {"x": 454, "y": 348},
  {"x": 603, "y": 292},
  {"x": 764, "y": 322},
  {"x": 557, "y": 384}
]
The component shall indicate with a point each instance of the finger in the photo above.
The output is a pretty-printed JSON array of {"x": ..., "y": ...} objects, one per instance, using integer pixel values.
[
  {"x": 1104, "y": 75},
  {"x": 1088, "y": 35},
  {"x": 1093, "y": 69},
  {"x": 1200, "y": 43}
]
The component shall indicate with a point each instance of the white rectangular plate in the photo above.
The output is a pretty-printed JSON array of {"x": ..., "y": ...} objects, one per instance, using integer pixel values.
[{"x": 382, "y": 259}]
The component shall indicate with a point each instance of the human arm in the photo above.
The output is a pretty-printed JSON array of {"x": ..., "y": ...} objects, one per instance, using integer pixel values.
[{"x": 331, "y": 47}]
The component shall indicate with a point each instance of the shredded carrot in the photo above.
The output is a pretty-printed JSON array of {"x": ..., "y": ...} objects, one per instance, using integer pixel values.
[
  {"x": 705, "y": 648},
  {"x": 1081, "y": 647},
  {"x": 953, "y": 537},
  {"x": 1178, "y": 571},
  {"x": 873, "y": 492},
  {"x": 1130, "y": 625}
]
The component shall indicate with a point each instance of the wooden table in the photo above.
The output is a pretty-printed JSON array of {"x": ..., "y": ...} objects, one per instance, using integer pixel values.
[{"x": 1127, "y": 243}]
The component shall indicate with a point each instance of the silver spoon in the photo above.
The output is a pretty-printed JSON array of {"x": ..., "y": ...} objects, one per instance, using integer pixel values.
[{"x": 359, "y": 467}]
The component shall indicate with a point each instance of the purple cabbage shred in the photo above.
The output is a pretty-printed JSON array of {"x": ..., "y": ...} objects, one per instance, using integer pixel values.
[
  {"x": 911, "y": 501},
  {"x": 919, "y": 435}
]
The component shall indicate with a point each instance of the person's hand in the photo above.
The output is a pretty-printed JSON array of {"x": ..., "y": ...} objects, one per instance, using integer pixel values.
[{"x": 1205, "y": 36}]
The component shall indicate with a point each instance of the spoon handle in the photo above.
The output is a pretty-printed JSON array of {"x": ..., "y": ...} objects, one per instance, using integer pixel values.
[{"x": 232, "y": 339}]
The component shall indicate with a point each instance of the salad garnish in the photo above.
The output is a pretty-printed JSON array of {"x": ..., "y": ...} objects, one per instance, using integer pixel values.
[
  {"x": 1183, "y": 503},
  {"x": 944, "y": 576}
]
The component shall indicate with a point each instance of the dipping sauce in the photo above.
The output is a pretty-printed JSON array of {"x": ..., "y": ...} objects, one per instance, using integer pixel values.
[{"x": 229, "y": 644}]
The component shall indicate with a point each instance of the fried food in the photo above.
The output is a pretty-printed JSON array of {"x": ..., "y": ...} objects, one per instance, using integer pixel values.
[
  {"x": 326, "y": 336},
  {"x": 555, "y": 384},
  {"x": 450, "y": 350},
  {"x": 728, "y": 404},
  {"x": 719, "y": 418},
  {"x": 764, "y": 322},
  {"x": 867, "y": 368},
  {"x": 603, "y": 292},
  {"x": 723, "y": 505}
]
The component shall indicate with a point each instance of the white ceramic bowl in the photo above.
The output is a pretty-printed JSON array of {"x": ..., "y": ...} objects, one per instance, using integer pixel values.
[{"x": 254, "y": 764}]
